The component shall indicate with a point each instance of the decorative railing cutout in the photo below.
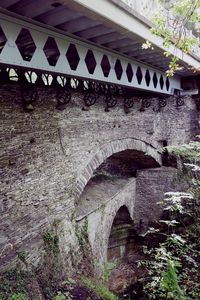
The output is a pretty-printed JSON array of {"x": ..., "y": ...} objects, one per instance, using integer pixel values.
[{"x": 43, "y": 51}]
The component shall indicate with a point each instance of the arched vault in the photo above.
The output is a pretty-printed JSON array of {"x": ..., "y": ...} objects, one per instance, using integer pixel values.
[{"x": 108, "y": 150}]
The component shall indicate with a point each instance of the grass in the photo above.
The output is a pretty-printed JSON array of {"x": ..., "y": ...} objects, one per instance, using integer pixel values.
[{"x": 99, "y": 289}]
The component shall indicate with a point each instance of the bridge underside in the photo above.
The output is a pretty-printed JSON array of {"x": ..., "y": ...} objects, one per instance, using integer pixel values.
[
  {"x": 34, "y": 48},
  {"x": 108, "y": 24},
  {"x": 68, "y": 39},
  {"x": 78, "y": 39}
]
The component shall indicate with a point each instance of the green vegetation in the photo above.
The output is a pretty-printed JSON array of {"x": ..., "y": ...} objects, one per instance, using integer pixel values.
[
  {"x": 173, "y": 266},
  {"x": 18, "y": 296},
  {"x": 67, "y": 294},
  {"x": 50, "y": 272},
  {"x": 106, "y": 272},
  {"x": 172, "y": 26},
  {"x": 22, "y": 255},
  {"x": 51, "y": 242},
  {"x": 14, "y": 285},
  {"x": 100, "y": 289},
  {"x": 82, "y": 234}
]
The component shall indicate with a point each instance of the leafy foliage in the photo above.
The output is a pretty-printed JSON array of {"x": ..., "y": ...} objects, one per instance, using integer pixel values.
[
  {"x": 99, "y": 288},
  {"x": 51, "y": 242},
  {"x": 67, "y": 294},
  {"x": 173, "y": 266},
  {"x": 171, "y": 24},
  {"x": 13, "y": 284},
  {"x": 190, "y": 152},
  {"x": 18, "y": 296}
]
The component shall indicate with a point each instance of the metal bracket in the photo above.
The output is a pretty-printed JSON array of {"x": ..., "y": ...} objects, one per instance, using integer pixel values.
[
  {"x": 91, "y": 93},
  {"x": 146, "y": 103},
  {"x": 128, "y": 103},
  {"x": 29, "y": 96},
  {"x": 110, "y": 98},
  {"x": 179, "y": 101},
  {"x": 161, "y": 102},
  {"x": 63, "y": 98},
  {"x": 197, "y": 101}
]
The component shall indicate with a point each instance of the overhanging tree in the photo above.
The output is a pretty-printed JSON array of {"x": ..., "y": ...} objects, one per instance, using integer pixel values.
[{"x": 178, "y": 23}]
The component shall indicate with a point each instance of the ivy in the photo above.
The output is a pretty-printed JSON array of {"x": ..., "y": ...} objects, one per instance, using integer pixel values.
[{"x": 51, "y": 242}]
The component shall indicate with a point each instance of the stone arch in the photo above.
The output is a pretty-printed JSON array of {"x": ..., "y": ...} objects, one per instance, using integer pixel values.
[
  {"x": 120, "y": 237},
  {"x": 106, "y": 151},
  {"x": 109, "y": 219},
  {"x": 100, "y": 221}
]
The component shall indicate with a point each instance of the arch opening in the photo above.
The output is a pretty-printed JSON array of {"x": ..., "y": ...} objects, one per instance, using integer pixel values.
[
  {"x": 121, "y": 237},
  {"x": 126, "y": 163},
  {"x": 111, "y": 177}
]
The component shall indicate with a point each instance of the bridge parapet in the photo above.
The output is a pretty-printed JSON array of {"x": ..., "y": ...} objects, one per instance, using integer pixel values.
[
  {"x": 103, "y": 42},
  {"x": 35, "y": 48}
]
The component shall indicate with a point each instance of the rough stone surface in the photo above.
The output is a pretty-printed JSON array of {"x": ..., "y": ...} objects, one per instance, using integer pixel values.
[
  {"x": 100, "y": 221},
  {"x": 151, "y": 185},
  {"x": 47, "y": 155},
  {"x": 97, "y": 192}
]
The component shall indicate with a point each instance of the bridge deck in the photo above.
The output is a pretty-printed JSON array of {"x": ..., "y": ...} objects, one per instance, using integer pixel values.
[
  {"x": 109, "y": 24},
  {"x": 96, "y": 40}
]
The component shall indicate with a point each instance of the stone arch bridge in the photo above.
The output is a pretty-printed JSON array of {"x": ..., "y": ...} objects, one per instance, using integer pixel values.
[
  {"x": 84, "y": 115},
  {"x": 109, "y": 183}
]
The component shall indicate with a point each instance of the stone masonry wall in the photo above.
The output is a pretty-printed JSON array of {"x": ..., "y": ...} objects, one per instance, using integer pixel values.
[
  {"x": 42, "y": 153},
  {"x": 151, "y": 185}
]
